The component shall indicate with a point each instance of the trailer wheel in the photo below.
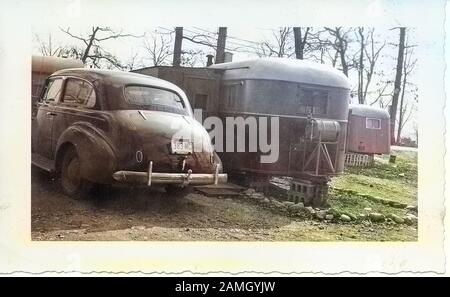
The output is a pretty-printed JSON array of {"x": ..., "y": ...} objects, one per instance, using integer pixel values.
[{"x": 72, "y": 182}]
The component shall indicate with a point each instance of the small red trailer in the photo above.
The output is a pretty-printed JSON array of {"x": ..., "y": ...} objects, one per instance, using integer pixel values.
[{"x": 367, "y": 134}]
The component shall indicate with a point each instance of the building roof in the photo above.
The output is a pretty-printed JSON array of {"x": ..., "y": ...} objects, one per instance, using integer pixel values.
[
  {"x": 368, "y": 111},
  {"x": 47, "y": 64},
  {"x": 300, "y": 71},
  {"x": 118, "y": 77}
]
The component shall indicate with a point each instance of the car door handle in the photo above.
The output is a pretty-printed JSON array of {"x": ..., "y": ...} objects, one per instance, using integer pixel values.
[{"x": 51, "y": 113}]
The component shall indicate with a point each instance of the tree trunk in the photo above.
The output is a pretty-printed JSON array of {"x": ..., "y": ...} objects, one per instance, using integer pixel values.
[
  {"x": 298, "y": 43},
  {"x": 221, "y": 40},
  {"x": 397, "y": 83},
  {"x": 342, "y": 50},
  {"x": 177, "y": 46},
  {"x": 401, "y": 111},
  {"x": 344, "y": 63},
  {"x": 88, "y": 47},
  {"x": 361, "y": 98}
]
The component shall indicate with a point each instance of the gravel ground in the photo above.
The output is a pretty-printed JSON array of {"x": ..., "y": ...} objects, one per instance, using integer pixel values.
[{"x": 144, "y": 214}]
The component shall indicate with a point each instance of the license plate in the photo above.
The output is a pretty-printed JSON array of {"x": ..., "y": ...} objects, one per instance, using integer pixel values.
[{"x": 181, "y": 147}]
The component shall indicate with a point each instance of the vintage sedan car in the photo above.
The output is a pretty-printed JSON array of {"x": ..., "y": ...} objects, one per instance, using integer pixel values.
[{"x": 104, "y": 127}]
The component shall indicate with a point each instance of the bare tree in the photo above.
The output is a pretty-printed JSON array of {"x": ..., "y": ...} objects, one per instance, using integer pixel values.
[
  {"x": 217, "y": 41},
  {"x": 340, "y": 44},
  {"x": 367, "y": 59},
  {"x": 159, "y": 47},
  {"x": 92, "y": 51},
  {"x": 282, "y": 47},
  {"x": 300, "y": 41},
  {"x": 406, "y": 108},
  {"x": 205, "y": 38},
  {"x": 47, "y": 47},
  {"x": 382, "y": 91},
  {"x": 397, "y": 82},
  {"x": 320, "y": 48},
  {"x": 133, "y": 62},
  {"x": 192, "y": 58},
  {"x": 360, "y": 65}
]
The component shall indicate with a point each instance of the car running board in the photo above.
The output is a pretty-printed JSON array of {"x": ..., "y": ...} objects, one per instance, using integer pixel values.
[{"x": 42, "y": 162}]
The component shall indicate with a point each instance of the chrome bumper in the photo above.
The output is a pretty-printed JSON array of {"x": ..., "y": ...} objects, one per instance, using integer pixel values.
[{"x": 188, "y": 178}]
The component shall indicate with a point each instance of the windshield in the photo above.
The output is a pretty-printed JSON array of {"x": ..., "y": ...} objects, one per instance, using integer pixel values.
[{"x": 151, "y": 98}]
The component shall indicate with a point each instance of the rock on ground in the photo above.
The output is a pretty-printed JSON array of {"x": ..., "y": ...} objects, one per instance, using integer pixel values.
[
  {"x": 345, "y": 218},
  {"x": 288, "y": 203},
  {"x": 296, "y": 207},
  {"x": 377, "y": 217},
  {"x": 411, "y": 208},
  {"x": 410, "y": 219},
  {"x": 321, "y": 214},
  {"x": 329, "y": 217},
  {"x": 310, "y": 210},
  {"x": 396, "y": 218}
]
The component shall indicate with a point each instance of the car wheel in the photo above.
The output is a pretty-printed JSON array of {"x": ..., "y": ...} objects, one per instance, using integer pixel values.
[{"x": 72, "y": 182}]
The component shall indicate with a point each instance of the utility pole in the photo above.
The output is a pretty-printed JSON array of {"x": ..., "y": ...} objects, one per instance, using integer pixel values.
[
  {"x": 397, "y": 83},
  {"x": 177, "y": 46},
  {"x": 221, "y": 40}
]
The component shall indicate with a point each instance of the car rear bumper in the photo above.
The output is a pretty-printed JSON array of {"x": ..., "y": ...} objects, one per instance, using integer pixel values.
[{"x": 151, "y": 177}]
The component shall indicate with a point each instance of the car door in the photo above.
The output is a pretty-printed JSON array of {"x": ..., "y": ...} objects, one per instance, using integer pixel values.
[
  {"x": 45, "y": 118},
  {"x": 77, "y": 104}
]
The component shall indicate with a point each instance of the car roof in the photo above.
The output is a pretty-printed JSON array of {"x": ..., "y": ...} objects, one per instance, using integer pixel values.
[{"x": 117, "y": 77}]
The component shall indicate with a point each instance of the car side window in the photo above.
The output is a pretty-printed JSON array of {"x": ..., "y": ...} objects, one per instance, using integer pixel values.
[
  {"x": 79, "y": 92},
  {"x": 52, "y": 91}
]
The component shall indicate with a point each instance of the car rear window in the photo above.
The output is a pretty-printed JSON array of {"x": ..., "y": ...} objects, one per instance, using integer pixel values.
[{"x": 146, "y": 97}]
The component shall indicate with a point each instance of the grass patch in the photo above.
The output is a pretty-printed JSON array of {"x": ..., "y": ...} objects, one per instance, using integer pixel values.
[
  {"x": 390, "y": 189},
  {"x": 397, "y": 182},
  {"x": 403, "y": 171},
  {"x": 347, "y": 203}
]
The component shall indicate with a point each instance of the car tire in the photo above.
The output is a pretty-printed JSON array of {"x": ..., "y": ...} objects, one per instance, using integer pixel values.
[{"x": 72, "y": 182}]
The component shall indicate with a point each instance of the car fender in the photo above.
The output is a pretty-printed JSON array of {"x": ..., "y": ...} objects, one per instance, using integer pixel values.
[{"x": 97, "y": 155}]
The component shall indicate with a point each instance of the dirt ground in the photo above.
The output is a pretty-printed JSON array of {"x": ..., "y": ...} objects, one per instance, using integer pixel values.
[{"x": 143, "y": 214}]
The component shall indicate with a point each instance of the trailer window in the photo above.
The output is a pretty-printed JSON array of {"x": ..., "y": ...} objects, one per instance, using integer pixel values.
[
  {"x": 231, "y": 95},
  {"x": 281, "y": 97},
  {"x": 313, "y": 101},
  {"x": 373, "y": 123}
]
